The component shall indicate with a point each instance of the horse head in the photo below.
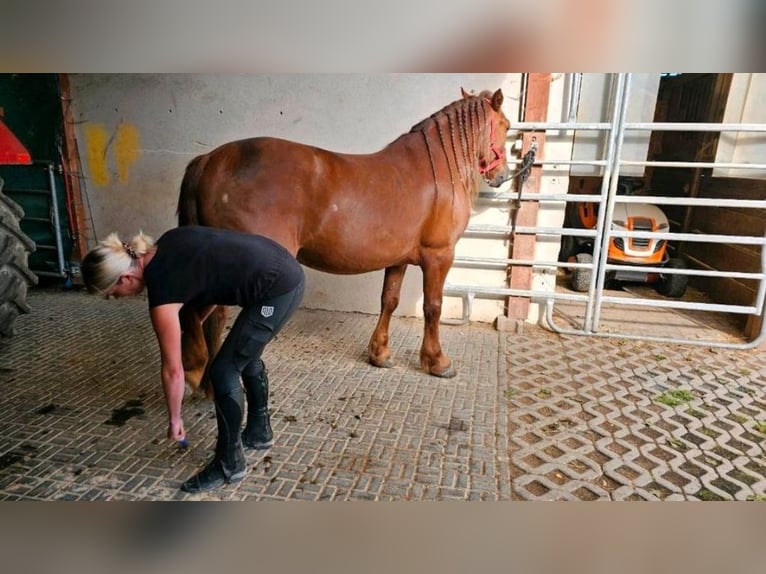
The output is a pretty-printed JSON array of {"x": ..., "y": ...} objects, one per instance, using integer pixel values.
[{"x": 493, "y": 161}]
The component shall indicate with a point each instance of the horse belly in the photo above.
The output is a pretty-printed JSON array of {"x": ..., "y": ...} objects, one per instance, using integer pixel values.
[
  {"x": 348, "y": 262},
  {"x": 350, "y": 248}
]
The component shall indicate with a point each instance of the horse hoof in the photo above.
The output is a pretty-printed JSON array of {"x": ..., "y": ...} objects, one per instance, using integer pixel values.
[
  {"x": 387, "y": 364},
  {"x": 448, "y": 373}
]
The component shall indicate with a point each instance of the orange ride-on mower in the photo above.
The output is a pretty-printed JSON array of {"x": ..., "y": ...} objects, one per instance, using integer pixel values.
[{"x": 633, "y": 251}]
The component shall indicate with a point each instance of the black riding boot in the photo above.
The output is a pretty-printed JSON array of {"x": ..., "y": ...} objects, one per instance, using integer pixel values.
[
  {"x": 257, "y": 433},
  {"x": 228, "y": 465}
]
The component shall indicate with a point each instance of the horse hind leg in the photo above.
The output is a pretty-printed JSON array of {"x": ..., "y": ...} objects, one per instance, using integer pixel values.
[
  {"x": 194, "y": 354},
  {"x": 378, "y": 349},
  {"x": 432, "y": 359},
  {"x": 213, "y": 331},
  {"x": 200, "y": 342}
]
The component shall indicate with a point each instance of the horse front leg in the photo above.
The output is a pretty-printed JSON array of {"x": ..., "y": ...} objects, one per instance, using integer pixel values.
[
  {"x": 432, "y": 359},
  {"x": 378, "y": 349}
]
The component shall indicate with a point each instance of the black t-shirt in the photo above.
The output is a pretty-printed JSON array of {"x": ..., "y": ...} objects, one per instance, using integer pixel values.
[{"x": 210, "y": 266}]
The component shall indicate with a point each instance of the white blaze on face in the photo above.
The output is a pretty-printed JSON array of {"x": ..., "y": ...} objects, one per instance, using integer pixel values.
[{"x": 225, "y": 198}]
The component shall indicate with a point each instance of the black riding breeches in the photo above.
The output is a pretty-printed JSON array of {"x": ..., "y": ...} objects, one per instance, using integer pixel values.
[{"x": 240, "y": 354}]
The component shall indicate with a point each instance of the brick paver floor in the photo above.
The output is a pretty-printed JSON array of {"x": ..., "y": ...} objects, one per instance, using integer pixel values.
[{"x": 536, "y": 416}]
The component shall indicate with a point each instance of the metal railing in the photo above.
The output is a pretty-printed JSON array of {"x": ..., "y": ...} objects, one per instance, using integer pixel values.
[
  {"x": 595, "y": 298},
  {"x": 52, "y": 222}
]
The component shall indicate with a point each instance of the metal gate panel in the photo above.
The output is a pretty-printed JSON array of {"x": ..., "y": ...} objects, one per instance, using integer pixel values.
[{"x": 595, "y": 298}]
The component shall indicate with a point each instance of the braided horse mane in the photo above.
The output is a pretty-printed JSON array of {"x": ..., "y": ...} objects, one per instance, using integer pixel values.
[{"x": 457, "y": 132}]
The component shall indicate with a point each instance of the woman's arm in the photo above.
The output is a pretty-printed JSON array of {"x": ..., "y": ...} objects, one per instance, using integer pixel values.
[{"x": 167, "y": 327}]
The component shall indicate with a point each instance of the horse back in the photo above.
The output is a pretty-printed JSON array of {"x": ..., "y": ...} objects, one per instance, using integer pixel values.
[{"x": 250, "y": 185}]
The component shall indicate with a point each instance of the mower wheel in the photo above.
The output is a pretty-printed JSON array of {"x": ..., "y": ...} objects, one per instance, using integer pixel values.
[
  {"x": 673, "y": 285},
  {"x": 581, "y": 276}
]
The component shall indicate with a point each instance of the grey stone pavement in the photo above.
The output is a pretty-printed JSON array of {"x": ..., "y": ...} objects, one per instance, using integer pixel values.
[{"x": 531, "y": 416}]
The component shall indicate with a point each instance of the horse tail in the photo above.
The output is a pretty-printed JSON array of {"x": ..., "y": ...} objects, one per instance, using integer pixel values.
[{"x": 187, "y": 211}]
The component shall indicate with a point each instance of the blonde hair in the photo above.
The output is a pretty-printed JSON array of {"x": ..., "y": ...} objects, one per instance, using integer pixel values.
[{"x": 102, "y": 267}]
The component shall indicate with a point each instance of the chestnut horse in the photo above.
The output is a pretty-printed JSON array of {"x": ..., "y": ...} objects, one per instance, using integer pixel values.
[{"x": 407, "y": 204}]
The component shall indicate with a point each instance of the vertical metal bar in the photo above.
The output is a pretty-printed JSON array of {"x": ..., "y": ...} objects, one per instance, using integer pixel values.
[
  {"x": 575, "y": 87},
  {"x": 762, "y": 284},
  {"x": 56, "y": 222},
  {"x": 761, "y": 336},
  {"x": 523, "y": 96},
  {"x": 618, "y": 82},
  {"x": 610, "y": 203}
]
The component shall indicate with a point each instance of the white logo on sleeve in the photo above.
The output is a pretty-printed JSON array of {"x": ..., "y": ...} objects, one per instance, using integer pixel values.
[{"x": 267, "y": 310}]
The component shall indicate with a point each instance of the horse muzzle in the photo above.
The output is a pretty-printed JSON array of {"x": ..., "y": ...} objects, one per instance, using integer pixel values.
[{"x": 498, "y": 178}]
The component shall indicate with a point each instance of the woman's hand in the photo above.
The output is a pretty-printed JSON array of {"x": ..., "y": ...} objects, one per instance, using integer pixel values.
[{"x": 176, "y": 430}]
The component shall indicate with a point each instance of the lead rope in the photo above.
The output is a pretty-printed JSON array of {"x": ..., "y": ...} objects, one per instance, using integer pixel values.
[{"x": 523, "y": 173}]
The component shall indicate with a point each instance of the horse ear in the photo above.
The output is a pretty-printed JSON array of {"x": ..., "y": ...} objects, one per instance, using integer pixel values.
[
  {"x": 465, "y": 94},
  {"x": 497, "y": 100}
]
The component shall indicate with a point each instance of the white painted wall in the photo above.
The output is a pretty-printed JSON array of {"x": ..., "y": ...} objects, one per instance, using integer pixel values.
[
  {"x": 746, "y": 104},
  {"x": 136, "y": 133}
]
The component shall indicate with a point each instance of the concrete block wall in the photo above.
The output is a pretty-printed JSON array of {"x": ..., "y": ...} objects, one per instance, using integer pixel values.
[{"x": 137, "y": 132}]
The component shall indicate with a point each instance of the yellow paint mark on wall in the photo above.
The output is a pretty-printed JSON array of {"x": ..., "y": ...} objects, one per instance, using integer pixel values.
[
  {"x": 96, "y": 138},
  {"x": 127, "y": 149}
]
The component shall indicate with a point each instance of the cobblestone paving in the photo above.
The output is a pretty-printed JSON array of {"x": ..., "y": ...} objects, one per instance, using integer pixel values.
[{"x": 529, "y": 417}]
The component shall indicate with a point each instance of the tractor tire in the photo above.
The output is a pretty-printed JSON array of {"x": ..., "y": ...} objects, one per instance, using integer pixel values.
[
  {"x": 581, "y": 277},
  {"x": 15, "y": 275},
  {"x": 568, "y": 247},
  {"x": 673, "y": 285}
]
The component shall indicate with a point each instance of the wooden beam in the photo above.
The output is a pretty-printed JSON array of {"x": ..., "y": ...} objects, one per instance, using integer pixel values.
[
  {"x": 73, "y": 172},
  {"x": 523, "y": 246}
]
